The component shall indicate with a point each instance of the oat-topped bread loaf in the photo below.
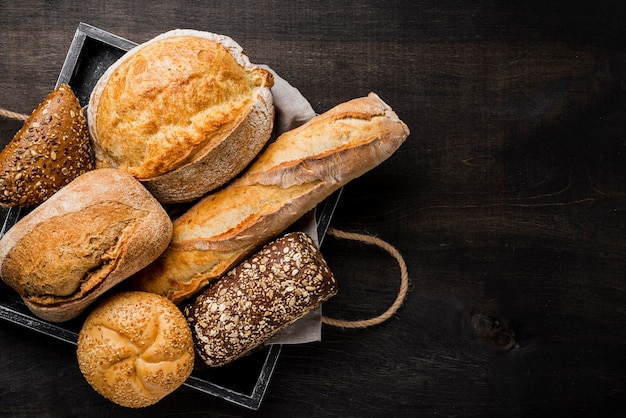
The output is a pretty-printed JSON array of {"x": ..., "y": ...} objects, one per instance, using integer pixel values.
[
  {"x": 276, "y": 286},
  {"x": 50, "y": 150},
  {"x": 289, "y": 178},
  {"x": 183, "y": 113},
  {"x": 89, "y": 236},
  {"x": 135, "y": 348}
]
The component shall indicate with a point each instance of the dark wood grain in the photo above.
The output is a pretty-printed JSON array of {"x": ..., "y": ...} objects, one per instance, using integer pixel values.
[{"x": 508, "y": 202}]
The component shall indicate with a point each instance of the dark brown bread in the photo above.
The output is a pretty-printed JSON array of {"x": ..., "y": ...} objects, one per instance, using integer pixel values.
[
  {"x": 279, "y": 284},
  {"x": 49, "y": 151}
]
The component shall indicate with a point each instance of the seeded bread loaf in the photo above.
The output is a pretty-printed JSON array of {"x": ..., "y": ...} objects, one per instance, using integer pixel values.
[
  {"x": 295, "y": 173},
  {"x": 184, "y": 113},
  {"x": 135, "y": 348},
  {"x": 50, "y": 150},
  {"x": 92, "y": 234},
  {"x": 276, "y": 286}
]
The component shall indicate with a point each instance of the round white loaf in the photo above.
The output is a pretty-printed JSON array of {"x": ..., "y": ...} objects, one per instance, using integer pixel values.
[{"x": 184, "y": 113}]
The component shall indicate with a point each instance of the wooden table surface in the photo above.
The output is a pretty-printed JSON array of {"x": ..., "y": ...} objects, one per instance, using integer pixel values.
[{"x": 507, "y": 201}]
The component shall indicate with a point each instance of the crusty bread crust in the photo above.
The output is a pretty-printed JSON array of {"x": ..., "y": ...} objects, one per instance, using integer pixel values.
[
  {"x": 295, "y": 173},
  {"x": 184, "y": 113},
  {"x": 92, "y": 234},
  {"x": 221, "y": 163}
]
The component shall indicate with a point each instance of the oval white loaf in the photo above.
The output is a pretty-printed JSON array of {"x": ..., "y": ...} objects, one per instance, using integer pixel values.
[
  {"x": 89, "y": 236},
  {"x": 184, "y": 113},
  {"x": 295, "y": 173}
]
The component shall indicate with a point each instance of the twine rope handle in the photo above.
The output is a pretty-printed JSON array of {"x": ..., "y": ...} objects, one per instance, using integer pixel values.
[
  {"x": 404, "y": 281},
  {"x": 12, "y": 115}
]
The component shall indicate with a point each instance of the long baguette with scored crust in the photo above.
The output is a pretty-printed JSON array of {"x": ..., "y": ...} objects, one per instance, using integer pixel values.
[{"x": 295, "y": 173}]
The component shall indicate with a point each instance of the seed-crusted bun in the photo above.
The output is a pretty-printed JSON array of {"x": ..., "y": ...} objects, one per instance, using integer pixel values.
[
  {"x": 184, "y": 113},
  {"x": 50, "y": 150},
  {"x": 281, "y": 283},
  {"x": 89, "y": 236},
  {"x": 135, "y": 348}
]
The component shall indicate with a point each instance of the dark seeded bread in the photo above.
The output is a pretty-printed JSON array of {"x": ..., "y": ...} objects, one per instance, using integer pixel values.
[
  {"x": 276, "y": 286},
  {"x": 50, "y": 150}
]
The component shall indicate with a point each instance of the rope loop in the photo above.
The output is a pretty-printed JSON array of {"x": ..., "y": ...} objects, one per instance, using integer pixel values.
[{"x": 404, "y": 281}]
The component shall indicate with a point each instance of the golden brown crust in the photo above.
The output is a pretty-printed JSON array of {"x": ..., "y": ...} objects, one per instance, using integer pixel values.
[
  {"x": 135, "y": 348},
  {"x": 50, "y": 150},
  {"x": 288, "y": 179},
  {"x": 91, "y": 235},
  {"x": 221, "y": 163},
  {"x": 184, "y": 113},
  {"x": 276, "y": 286}
]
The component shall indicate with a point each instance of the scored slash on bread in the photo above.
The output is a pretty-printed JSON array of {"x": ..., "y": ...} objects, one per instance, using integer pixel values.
[
  {"x": 50, "y": 150},
  {"x": 91, "y": 235}
]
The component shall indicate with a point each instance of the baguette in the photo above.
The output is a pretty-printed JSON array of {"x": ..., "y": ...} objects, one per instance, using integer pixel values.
[{"x": 295, "y": 173}]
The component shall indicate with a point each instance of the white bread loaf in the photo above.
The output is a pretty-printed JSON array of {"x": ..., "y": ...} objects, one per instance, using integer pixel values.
[
  {"x": 89, "y": 236},
  {"x": 184, "y": 113},
  {"x": 50, "y": 150},
  {"x": 295, "y": 173}
]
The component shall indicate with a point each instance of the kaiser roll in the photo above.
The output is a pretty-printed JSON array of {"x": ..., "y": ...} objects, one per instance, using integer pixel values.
[{"x": 135, "y": 348}]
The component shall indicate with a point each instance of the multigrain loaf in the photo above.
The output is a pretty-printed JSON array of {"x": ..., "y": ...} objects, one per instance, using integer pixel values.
[
  {"x": 92, "y": 234},
  {"x": 135, "y": 348},
  {"x": 296, "y": 172},
  {"x": 276, "y": 286},
  {"x": 50, "y": 150},
  {"x": 184, "y": 113}
]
